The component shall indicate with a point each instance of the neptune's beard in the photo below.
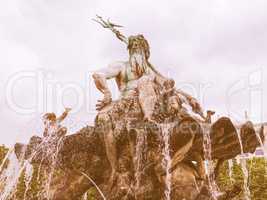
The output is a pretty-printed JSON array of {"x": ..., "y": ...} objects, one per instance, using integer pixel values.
[{"x": 138, "y": 62}]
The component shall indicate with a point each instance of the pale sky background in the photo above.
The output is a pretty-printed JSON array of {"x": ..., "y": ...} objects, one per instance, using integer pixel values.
[{"x": 214, "y": 49}]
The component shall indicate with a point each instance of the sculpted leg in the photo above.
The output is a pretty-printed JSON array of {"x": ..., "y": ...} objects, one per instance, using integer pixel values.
[
  {"x": 111, "y": 149},
  {"x": 147, "y": 96}
]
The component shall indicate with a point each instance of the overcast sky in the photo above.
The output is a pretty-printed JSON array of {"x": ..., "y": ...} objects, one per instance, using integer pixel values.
[{"x": 214, "y": 49}]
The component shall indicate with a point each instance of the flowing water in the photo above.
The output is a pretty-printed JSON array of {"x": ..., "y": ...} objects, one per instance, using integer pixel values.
[
  {"x": 96, "y": 186},
  {"x": 12, "y": 167},
  {"x": 10, "y": 176},
  {"x": 257, "y": 130},
  {"x": 243, "y": 164},
  {"x": 27, "y": 177},
  {"x": 140, "y": 157},
  {"x": 263, "y": 148},
  {"x": 244, "y": 168},
  {"x": 166, "y": 162},
  {"x": 230, "y": 170},
  {"x": 209, "y": 168},
  {"x": 85, "y": 196}
]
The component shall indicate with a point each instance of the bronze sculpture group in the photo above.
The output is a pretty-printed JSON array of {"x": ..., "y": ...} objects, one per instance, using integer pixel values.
[{"x": 122, "y": 152}]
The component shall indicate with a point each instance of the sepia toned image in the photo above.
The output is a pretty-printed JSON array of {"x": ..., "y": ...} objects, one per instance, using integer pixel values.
[{"x": 133, "y": 100}]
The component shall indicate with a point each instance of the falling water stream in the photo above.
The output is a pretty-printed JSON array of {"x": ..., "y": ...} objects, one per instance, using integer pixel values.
[
  {"x": 166, "y": 162},
  {"x": 12, "y": 168},
  {"x": 10, "y": 176},
  {"x": 28, "y": 177},
  {"x": 140, "y": 156},
  {"x": 257, "y": 131},
  {"x": 230, "y": 170},
  {"x": 243, "y": 164},
  {"x": 244, "y": 168},
  {"x": 85, "y": 196},
  {"x": 209, "y": 168},
  {"x": 263, "y": 148},
  {"x": 96, "y": 186}
]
